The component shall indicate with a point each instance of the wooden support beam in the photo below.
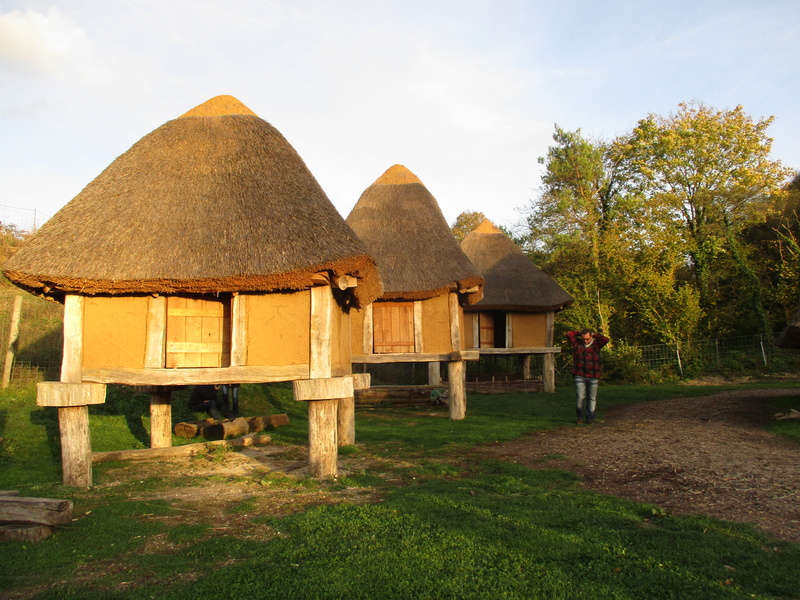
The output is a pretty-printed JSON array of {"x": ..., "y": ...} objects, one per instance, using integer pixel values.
[
  {"x": 323, "y": 389},
  {"x": 56, "y": 393},
  {"x": 361, "y": 381},
  {"x": 185, "y": 450},
  {"x": 399, "y": 357},
  {"x": 418, "y": 345},
  {"x": 509, "y": 330},
  {"x": 526, "y": 366},
  {"x": 13, "y": 337},
  {"x": 239, "y": 331},
  {"x": 525, "y": 350},
  {"x": 174, "y": 377},
  {"x": 344, "y": 282},
  {"x": 161, "y": 418},
  {"x": 455, "y": 323},
  {"x": 457, "y": 380},
  {"x": 155, "y": 348},
  {"x": 367, "y": 330}
]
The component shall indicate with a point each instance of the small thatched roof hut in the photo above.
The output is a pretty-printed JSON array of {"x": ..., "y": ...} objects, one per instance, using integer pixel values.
[
  {"x": 214, "y": 201},
  {"x": 516, "y": 315},
  {"x": 405, "y": 231},
  {"x": 511, "y": 280}
]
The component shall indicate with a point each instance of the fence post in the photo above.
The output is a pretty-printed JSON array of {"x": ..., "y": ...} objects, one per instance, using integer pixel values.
[
  {"x": 763, "y": 354},
  {"x": 13, "y": 337},
  {"x": 678, "y": 352}
]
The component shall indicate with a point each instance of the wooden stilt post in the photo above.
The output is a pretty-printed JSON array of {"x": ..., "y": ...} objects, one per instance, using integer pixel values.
[
  {"x": 526, "y": 367},
  {"x": 456, "y": 370},
  {"x": 161, "y": 418},
  {"x": 549, "y": 373},
  {"x": 549, "y": 362},
  {"x": 457, "y": 376},
  {"x": 346, "y": 421},
  {"x": 322, "y": 421},
  {"x": 434, "y": 373},
  {"x": 73, "y": 421}
]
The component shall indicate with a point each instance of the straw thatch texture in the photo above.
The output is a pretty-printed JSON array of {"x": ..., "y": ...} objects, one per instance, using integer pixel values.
[
  {"x": 512, "y": 281},
  {"x": 404, "y": 229},
  {"x": 214, "y": 201}
]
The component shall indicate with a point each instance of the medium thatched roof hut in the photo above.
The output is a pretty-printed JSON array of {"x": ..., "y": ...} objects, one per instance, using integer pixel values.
[
  {"x": 511, "y": 280},
  {"x": 427, "y": 279},
  {"x": 214, "y": 201},
  {"x": 405, "y": 231}
]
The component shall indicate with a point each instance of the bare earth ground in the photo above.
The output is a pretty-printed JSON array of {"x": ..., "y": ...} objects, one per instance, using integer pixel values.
[{"x": 706, "y": 456}]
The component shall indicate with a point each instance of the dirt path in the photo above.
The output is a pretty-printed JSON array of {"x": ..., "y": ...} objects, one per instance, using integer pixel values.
[{"x": 705, "y": 456}]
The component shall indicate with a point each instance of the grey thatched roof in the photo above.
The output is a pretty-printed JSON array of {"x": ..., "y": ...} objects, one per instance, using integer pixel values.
[
  {"x": 404, "y": 229},
  {"x": 512, "y": 281},
  {"x": 214, "y": 201}
]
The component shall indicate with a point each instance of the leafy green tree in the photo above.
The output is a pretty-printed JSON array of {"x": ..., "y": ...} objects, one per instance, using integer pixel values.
[
  {"x": 707, "y": 174},
  {"x": 466, "y": 222}
]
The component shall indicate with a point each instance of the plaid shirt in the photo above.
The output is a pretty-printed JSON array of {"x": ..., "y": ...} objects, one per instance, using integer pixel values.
[{"x": 586, "y": 359}]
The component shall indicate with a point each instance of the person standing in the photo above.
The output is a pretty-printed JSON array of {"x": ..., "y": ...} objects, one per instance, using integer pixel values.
[{"x": 586, "y": 346}]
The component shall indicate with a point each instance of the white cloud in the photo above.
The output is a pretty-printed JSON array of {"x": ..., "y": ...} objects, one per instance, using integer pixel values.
[{"x": 48, "y": 44}]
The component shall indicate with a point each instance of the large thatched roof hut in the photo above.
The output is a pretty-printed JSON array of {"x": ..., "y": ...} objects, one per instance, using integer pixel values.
[
  {"x": 517, "y": 311},
  {"x": 427, "y": 279},
  {"x": 205, "y": 254}
]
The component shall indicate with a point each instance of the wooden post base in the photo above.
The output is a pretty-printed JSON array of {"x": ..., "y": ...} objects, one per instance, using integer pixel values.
[
  {"x": 161, "y": 418},
  {"x": 457, "y": 378},
  {"x": 346, "y": 421},
  {"x": 76, "y": 446},
  {"x": 322, "y": 438},
  {"x": 549, "y": 373}
]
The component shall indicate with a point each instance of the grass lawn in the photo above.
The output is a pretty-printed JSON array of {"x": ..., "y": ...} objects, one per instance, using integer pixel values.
[{"x": 438, "y": 523}]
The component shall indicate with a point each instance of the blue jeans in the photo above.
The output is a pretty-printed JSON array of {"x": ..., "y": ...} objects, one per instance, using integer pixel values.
[{"x": 585, "y": 386}]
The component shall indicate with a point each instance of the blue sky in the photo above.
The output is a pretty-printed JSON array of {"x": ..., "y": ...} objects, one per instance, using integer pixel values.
[{"x": 463, "y": 93}]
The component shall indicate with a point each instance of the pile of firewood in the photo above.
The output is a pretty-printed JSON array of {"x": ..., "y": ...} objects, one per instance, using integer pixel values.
[
  {"x": 228, "y": 428},
  {"x": 30, "y": 519}
]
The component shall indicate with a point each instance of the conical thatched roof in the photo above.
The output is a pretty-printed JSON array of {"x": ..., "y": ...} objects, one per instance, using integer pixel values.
[
  {"x": 404, "y": 229},
  {"x": 512, "y": 281},
  {"x": 214, "y": 201}
]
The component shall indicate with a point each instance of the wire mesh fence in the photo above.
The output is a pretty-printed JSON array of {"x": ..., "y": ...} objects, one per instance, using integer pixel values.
[{"x": 36, "y": 353}]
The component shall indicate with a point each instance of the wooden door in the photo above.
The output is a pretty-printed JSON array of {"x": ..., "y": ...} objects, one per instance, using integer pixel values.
[
  {"x": 486, "y": 329},
  {"x": 393, "y": 327},
  {"x": 198, "y": 332}
]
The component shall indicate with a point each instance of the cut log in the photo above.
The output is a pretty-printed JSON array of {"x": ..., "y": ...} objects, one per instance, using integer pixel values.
[
  {"x": 24, "y": 532},
  {"x": 9, "y": 493},
  {"x": 792, "y": 414},
  {"x": 190, "y": 429},
  {"x": 41, "y": 511},
  {"x": 222, "y": 430},
  {"x": 177, "y": 451}
]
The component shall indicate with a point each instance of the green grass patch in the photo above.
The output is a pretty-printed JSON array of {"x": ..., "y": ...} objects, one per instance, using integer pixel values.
[{"x": 445, "y": 526}]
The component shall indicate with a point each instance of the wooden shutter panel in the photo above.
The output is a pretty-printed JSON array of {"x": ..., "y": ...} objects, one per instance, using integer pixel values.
[
  {"x": 393, "y": 327},
  {"x": 486, "y": 322},
  {"x": 198, "y": 332}
]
